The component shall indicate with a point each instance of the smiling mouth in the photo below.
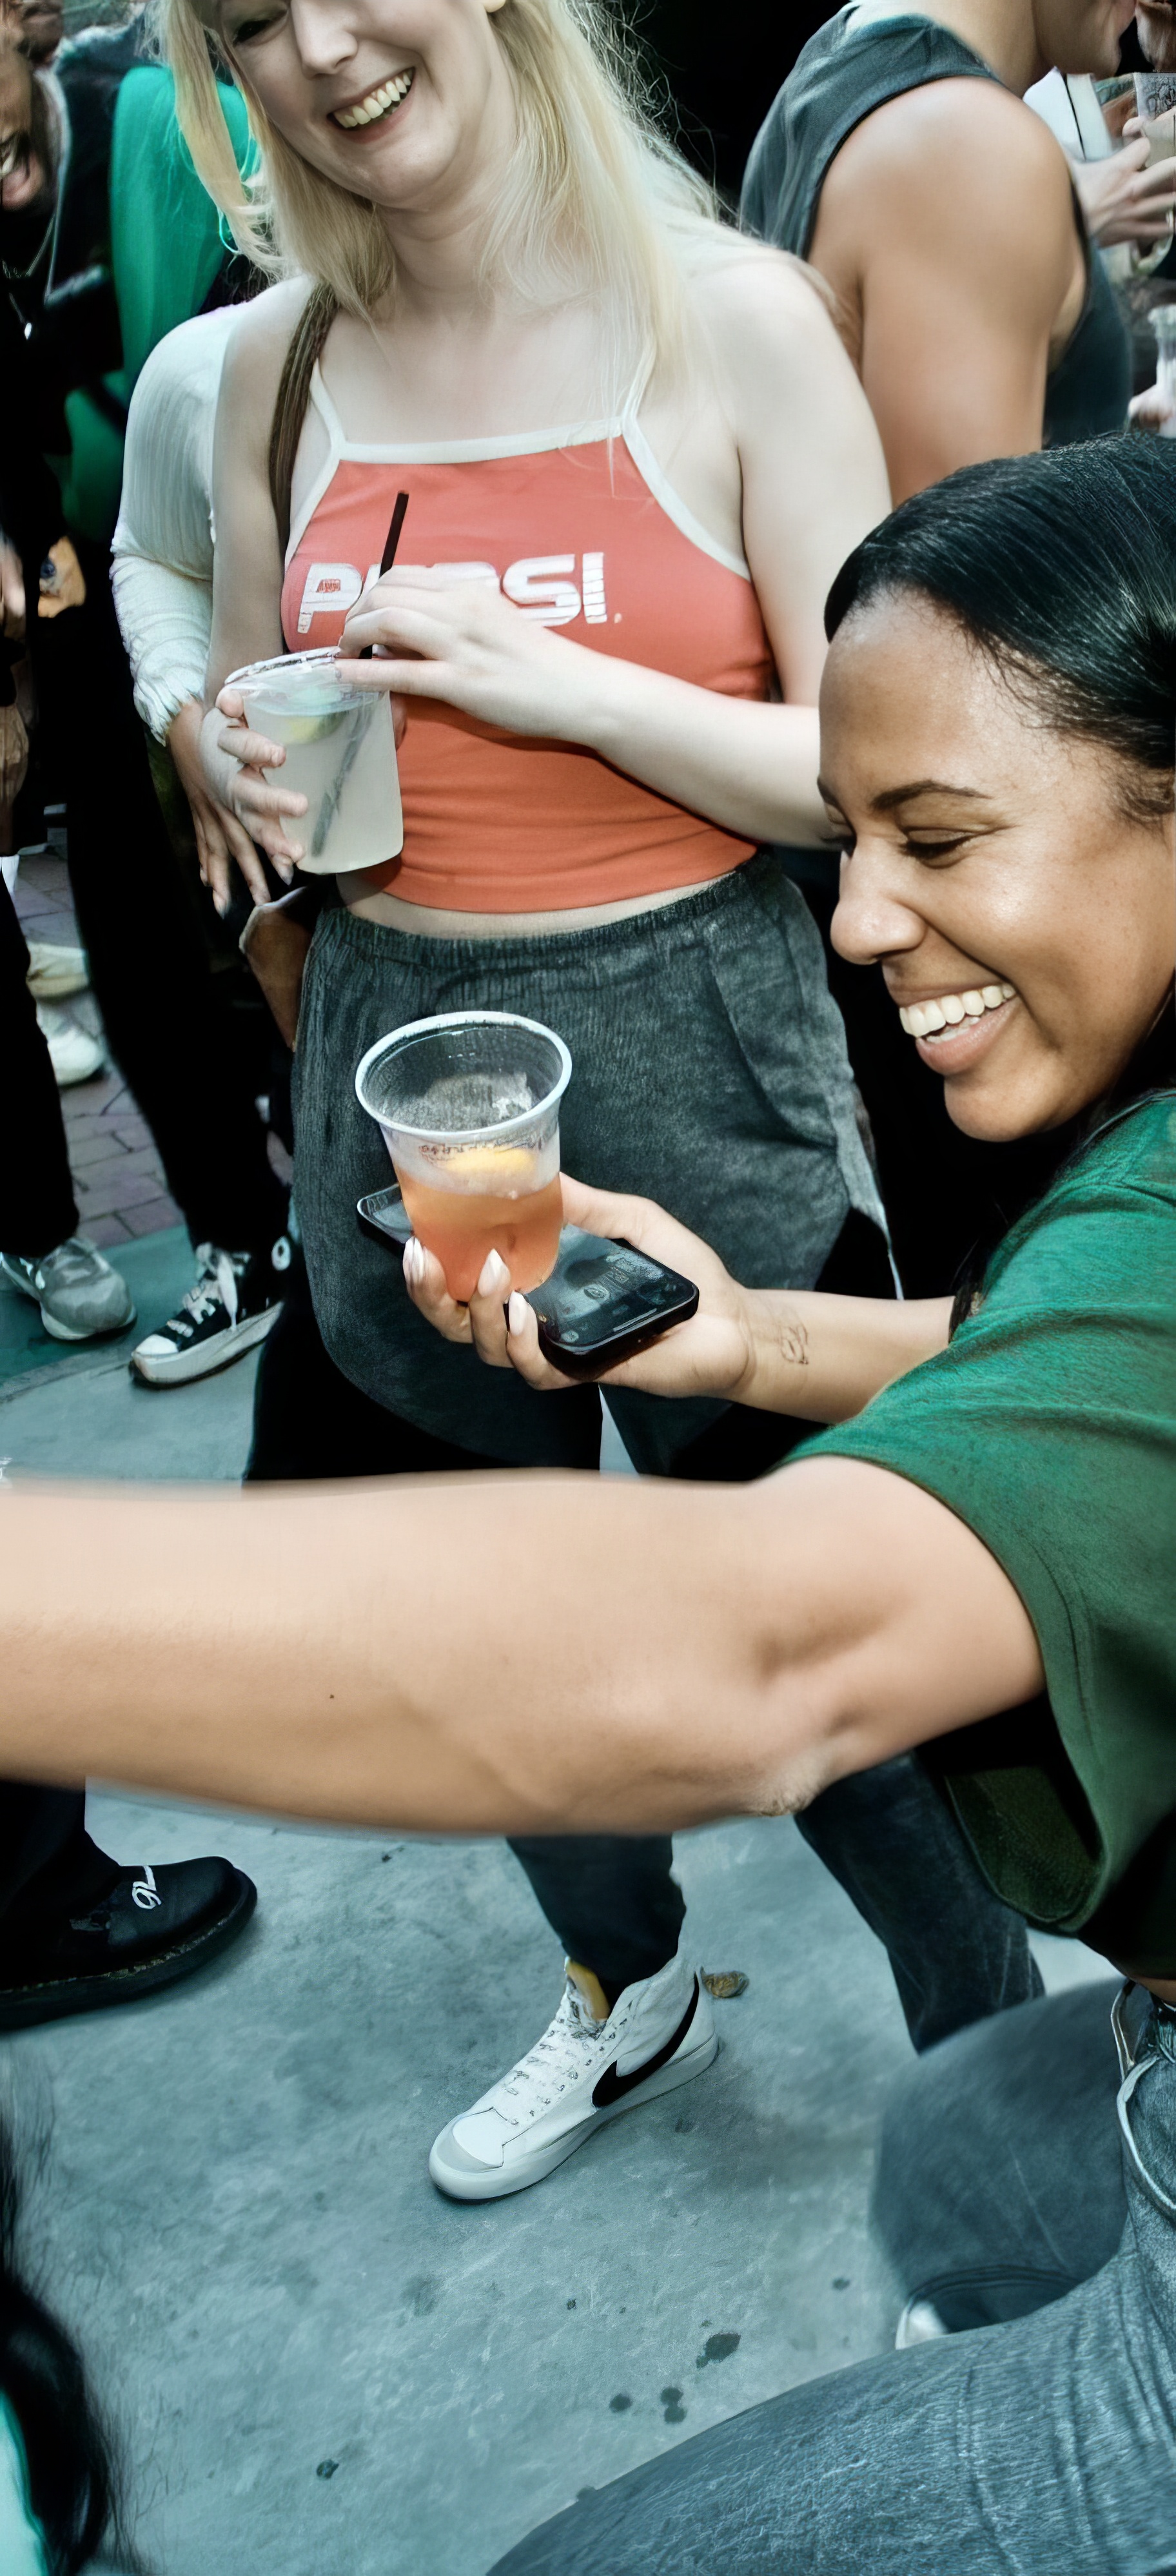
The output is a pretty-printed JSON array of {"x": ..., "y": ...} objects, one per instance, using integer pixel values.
[
  {"x": 936, "y": 1020},
  {"x": 377, "y": 106}
]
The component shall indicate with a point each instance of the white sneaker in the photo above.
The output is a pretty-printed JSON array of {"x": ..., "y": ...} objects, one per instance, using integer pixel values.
[
  {"x": 583, "y": 2071},
  {"x": 56, "y": 971},
  {"x": 74, "y": 1055}
]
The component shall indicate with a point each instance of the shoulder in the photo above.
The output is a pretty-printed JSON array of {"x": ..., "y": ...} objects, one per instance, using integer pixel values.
[
  {"x": 947, "y": 141},
  {"x": 771, "y": 328},
  {"x": 758, "y": 305},
  {"x": 1134, "y": 1151},
  {"x": 260, "y": 338},
  {"x": 187, "y": 362}
]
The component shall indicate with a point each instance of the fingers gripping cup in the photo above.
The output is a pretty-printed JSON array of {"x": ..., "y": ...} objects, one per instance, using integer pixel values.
[
  {"x": 469, "y": 1110},
  {"x": 340, "y": 755}
]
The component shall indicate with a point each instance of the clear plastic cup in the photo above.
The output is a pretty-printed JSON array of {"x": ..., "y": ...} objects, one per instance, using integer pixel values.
[
  {"x": 340, "y": 755},
  {"x": 468, "y": 1106}
]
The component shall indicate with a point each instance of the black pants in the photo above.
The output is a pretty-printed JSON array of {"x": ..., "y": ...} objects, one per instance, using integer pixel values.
[
  {"x": 180, "y": 1018},
  {"x": 37, "y": 1206},
  {"x": 956, "y": 1953}
]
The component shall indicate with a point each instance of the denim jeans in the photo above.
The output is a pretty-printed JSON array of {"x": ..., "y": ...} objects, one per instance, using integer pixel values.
[{"x": 1040, "y": 2445}]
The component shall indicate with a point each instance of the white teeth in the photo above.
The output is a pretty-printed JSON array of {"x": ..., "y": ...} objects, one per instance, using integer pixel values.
[
  {"x": 926, "y": 1019},
  {"x": 376, "y": 104}
]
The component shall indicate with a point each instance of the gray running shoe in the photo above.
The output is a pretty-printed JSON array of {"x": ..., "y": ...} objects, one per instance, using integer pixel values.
[{"x": 77, "y": 1291}]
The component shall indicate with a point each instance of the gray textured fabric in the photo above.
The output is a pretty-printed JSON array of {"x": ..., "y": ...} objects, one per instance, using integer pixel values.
[
  {"x": 709, "y": 1072},
  {"x": 1040, "y": 2447}
]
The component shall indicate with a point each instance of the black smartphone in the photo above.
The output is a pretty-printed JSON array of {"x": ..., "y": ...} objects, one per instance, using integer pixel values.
[
  {"x": 384, "y": 1216},
  {"x": 603, "y": 1303}
]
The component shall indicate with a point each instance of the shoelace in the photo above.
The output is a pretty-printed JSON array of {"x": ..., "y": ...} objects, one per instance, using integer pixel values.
[
  {"x": 217, "y": 1284},
  {"x": 73, "y": 1260},
  {"x": 555, "y": 2061}
]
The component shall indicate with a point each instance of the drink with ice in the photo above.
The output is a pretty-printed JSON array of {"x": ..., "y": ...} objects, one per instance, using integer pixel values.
[
  {"x": 469, "y": 1109},
  {"x": 340, "y": 755}
]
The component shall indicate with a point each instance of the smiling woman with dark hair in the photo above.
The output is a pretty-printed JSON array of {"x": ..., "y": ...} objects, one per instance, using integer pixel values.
[{"x": 976, "y": 1565}]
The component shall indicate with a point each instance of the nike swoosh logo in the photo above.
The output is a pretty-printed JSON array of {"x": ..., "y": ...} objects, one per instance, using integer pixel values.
[{"x": 612, "y": 2087}]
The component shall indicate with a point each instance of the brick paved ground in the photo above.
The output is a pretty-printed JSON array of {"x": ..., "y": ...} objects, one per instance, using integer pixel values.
[{"x": 118, "y": 1177}]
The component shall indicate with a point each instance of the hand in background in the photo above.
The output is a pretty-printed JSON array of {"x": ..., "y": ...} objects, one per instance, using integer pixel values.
[
  {"x": 12, "y": 593},
  {"x": 1124, "y": 201},
  {"x": 66, "y": 586},
  {"x": 220, "y": 838}
]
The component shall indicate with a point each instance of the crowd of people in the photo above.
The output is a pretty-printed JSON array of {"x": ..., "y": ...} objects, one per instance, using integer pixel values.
[{"x": 782, "y": 657}]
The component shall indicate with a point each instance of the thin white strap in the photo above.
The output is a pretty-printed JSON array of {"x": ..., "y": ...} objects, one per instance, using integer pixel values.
[{"x": 670, "y": 501}]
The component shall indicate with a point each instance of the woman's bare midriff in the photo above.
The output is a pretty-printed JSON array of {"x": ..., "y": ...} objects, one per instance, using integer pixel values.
[{"x": 421, "y": 921}]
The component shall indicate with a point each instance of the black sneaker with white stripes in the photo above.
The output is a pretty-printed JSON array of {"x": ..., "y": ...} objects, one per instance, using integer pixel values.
[{"x": 233, "y": 1304}]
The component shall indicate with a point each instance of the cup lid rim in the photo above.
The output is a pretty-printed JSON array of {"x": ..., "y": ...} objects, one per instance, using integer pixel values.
[
  {"x": 321, "y": 657},
  {"x": 459, "y": 1019}
]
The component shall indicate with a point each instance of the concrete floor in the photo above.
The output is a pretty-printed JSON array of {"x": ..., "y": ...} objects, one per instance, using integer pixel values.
[{"x": 319, "y": 2367}]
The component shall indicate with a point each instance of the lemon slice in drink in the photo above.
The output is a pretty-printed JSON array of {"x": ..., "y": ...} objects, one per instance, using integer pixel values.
[
  {"x": 300, "y": 729},
  {"x": 506, "y": 1171}
]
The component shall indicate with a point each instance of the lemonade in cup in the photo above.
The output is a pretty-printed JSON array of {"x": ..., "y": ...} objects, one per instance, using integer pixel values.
[
  {"x": 468, "y": 1106},
  {"x": 340, "y": 755}
]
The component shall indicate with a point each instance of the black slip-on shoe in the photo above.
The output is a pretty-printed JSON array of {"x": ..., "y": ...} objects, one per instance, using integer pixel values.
[{"x": 154, "y": 1925}]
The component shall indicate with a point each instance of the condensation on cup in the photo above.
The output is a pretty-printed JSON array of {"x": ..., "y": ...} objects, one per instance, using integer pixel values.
[{"x": 340, "y": 755}]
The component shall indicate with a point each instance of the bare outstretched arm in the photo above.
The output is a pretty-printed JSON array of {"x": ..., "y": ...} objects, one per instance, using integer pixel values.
[{"x": 499, "y": 1654}]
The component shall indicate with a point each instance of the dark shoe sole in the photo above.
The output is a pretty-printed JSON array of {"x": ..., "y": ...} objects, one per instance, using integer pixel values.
[{"x": 22, "y": 2007}]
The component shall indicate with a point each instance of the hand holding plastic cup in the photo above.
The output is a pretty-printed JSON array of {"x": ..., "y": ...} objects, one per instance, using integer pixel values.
[
  {"x": 468, "y": 1106},
  {"x": 340, "y": 755}
]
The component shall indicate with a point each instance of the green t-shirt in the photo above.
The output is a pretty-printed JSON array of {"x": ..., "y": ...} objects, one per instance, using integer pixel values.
[{"x": 1049, "y": 1427}]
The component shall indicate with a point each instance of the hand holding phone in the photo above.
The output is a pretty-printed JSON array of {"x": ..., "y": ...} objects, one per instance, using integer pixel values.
[{"x": 704, "y": 1352}]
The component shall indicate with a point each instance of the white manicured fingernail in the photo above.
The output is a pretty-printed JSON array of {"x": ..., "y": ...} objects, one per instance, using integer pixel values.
[
  {"x": 493, "y": 1273},
  {"x": 516, "y": 1311},
  {"x": 414, "y": 1260}
]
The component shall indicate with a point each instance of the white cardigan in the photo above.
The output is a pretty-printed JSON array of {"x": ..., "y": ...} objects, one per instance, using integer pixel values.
[{"x": 163, "y": 543}]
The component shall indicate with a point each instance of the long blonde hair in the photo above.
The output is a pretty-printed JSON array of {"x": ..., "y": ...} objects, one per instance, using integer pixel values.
[{"x": 598, "y": 201}]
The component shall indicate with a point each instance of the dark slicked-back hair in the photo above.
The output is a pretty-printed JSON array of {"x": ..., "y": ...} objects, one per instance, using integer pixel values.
[{"x": 1061, "y": 568}]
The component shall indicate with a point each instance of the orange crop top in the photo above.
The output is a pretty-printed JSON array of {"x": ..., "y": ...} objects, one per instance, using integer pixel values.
[{"x": 582, "y": 531}]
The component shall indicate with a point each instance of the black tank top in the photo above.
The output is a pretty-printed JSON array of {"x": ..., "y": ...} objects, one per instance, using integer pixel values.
[{"x": 847, "y": 70}]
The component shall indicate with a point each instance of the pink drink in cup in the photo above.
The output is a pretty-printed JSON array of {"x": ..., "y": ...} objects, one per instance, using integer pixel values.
[{"x": 468, "y": 1106}]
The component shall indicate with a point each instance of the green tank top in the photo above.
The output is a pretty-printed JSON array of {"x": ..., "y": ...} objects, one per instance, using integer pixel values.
[{"x": 846, "y": 71}]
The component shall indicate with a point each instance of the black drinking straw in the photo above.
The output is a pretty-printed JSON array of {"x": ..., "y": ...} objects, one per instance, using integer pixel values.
[
  {"x": 388, "y": 558},
  {"x": 330, "y": 804}
]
